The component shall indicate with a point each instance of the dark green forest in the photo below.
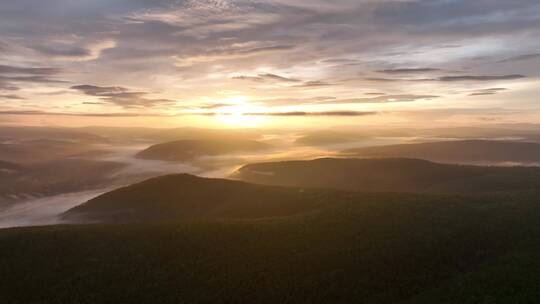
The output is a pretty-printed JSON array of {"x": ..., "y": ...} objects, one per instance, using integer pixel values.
[{"x": 342, "y": 247}]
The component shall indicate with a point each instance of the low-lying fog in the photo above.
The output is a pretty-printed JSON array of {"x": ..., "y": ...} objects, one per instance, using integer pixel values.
[
  {"x": 46, "y": 210},
  {"x": 79, "y": 168}
]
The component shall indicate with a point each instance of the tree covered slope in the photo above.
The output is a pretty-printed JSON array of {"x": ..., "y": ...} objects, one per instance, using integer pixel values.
[
  {"x": 391, "y": 174},
  {"x": 460, "y": 151},
  {"x": 376, "y": 248}
]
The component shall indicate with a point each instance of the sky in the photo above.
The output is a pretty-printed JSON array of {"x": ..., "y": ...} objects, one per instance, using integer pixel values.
[{"x": 252, "y": 63}]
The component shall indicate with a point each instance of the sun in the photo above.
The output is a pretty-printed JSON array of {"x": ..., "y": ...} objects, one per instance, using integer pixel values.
[{"x": 241, "y": 115}]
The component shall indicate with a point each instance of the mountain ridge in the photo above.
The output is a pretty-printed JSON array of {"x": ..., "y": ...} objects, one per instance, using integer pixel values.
[
  {"x": 456, "y": 151},
  {"x": 181, "y": 150},
  {"x": 390, "y": 175}
]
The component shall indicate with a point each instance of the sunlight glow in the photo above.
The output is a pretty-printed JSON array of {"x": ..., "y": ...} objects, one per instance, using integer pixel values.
[{"x": 239, "y": 115}]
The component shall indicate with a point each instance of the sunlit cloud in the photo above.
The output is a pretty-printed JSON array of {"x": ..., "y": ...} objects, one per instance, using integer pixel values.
[
  {"x": 302, "y": 56},
  {"x": 409, "y": 71},
  {"x": 521, "y": 58},
  {"x": 386, "y": 99},
  {"x": 490, "y": 91},
  {"x": 120, "y": 96},
  {"x": 10, "y": 96},
  {"x": 229, "y": 53}
]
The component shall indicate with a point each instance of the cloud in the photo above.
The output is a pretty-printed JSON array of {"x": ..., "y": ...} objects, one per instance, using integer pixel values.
[
  {"x": 328, "y": 100},
  {"x": 250, "y": 78},
  {"x": 120, "y": 96},
  {"x": 184, "y": 48},
  {"x": 446, "y": 113},
  {"x": 12, "y": 75},
  {"x": 482, "y": 93},
  {"x": 11, "y": 96},
  {"x": 303, "y": 113},
  {"x": 213, "y": 106},
  {"x": 6, "y": 86},
  {"x": 203, "y": 18},
  {"x": 264, "y": 49},
  {"x": 63, "y": 51},
  {"x": 458, "y": 78},
  {"x": 149, "y": 114},
  {"x": 101, "y": 91},
  {"x": 46, "y": 113},
  {"x": 7, "y": 69},
  {"x": 267, "y": 76},
  {"x": 382, "y": 79},
  {"x": 521, "y": 58},
  {"x": 481, "y": 78},
  {"x": 340, "y": 61},
  {"x": 234, "y": 52},
  {"x": 74, "y": 52},
  {"x": 93, "y": 103},
  {"x": 278, "y": 78},
  {"x": 314, "y": 84},
  {"x": 409, "y": 71},
  {"x": 294, "y": 101},
  {"x": 385, "y": 99},
  {"x": 490, "y": 91},
  {"x": 34, "y": 79}
]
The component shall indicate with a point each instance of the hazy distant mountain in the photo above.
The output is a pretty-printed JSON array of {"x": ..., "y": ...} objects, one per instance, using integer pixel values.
[
  {"x": 42, "y": 150},
  {"x": 206, "y": 134},
  {"x": 328, "y": 137},
  {"x": 392, "y": 174},
  {"x": 467, "y": 151},
  {"x": 493, "y": 133},
  {"x": 188, "y": 149},
  {"x": 41, "y": 144},
  {"x": 4, "y": 165},
  {"x": 186, "y": 196},
  {"x": 130, "y": 135},
  {"x": 7, "y": 168},
  {"x": 49, "y": 133},
  {"x": 123, "y": 135}
]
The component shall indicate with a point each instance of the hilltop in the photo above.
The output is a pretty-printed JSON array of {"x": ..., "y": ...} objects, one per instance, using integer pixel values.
[
  {"x": 391, "y": 175},
  {"x": 462, "y": 151},
  {"x": 330, "y": 137},
  {"x": 183, "y": 196},
  {"x": 182, "y": 150}
]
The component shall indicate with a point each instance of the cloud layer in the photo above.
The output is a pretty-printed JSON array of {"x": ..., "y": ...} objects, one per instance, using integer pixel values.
[{"x": 344, "y": 56}]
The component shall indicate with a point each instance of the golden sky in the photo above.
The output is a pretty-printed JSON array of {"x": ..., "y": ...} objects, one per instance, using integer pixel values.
[{"x": 252, "y": 63}]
